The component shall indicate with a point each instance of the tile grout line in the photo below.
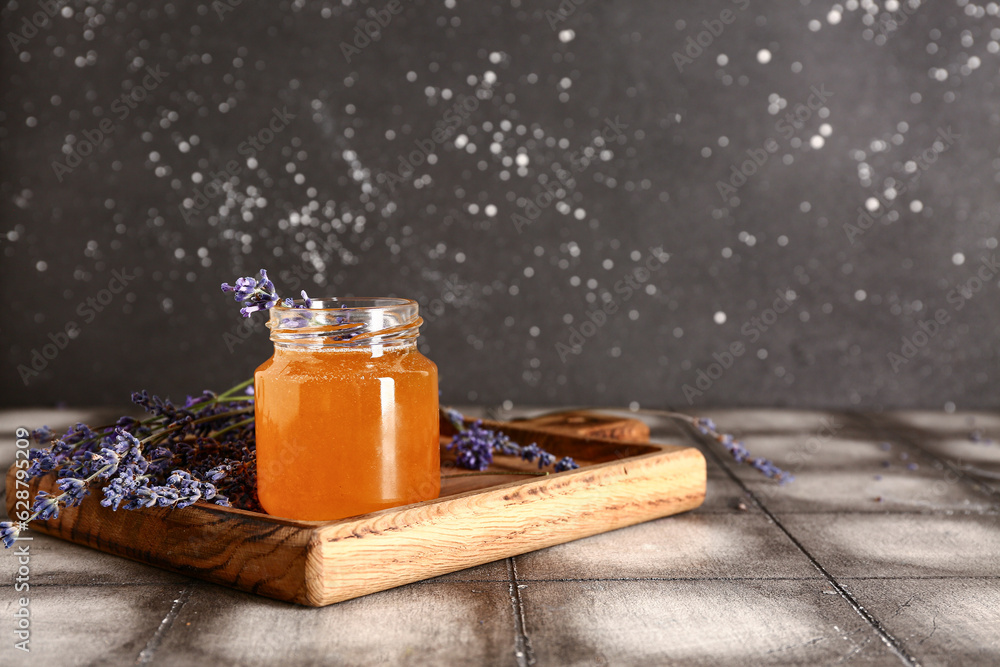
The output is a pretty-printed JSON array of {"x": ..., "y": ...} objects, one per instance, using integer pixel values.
[
  {"x": 522, "y": 645},
  {"x": 146, "y": 655},
  {"x": 887, "y": 424},
  {"x": 887, "y": 638}
]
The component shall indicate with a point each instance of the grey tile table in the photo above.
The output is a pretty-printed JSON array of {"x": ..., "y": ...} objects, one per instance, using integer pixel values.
[{"x": 885, "y": 550}]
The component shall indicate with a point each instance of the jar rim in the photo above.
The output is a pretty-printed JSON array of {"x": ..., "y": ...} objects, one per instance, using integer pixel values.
[
  {"x": 346, "y": 322},
  {"x": 376, "y": 302}
]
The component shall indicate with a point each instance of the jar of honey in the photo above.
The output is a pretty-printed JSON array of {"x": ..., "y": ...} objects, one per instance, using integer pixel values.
[{"x": 346, "y": 410}]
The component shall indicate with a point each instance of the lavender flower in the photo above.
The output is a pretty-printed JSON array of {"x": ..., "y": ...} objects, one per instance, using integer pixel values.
[
  {"x": 8, "y": 533},
  {"x": 735, "y": 448},
  {"x": 43, "y": 435},
  {"x": 46, "y": 506},
  {"x": 566, "y": 463},
  {"x": 74, "y": 489},
  {"x": 476, "y": 446},
  {"x": 256, "y": 294}
]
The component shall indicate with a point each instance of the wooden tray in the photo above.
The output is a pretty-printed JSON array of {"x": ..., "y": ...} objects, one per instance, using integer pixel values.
[{"x": 622, "y": 480}]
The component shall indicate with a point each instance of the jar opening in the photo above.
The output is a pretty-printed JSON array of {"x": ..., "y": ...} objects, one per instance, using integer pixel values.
[{"x": 345, "y": 322}]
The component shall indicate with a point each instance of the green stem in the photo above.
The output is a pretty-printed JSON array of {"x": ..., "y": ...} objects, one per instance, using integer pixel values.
[
  {"x": 202, "y": 420},
  {"x": 232, "y": 390},
  {"x": 233, "y": 426}
]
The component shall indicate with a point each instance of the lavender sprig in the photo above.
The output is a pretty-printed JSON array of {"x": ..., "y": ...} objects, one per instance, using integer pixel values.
[
  {"x": 257, "y": 294},
  {"x": 736, "y": 448},
  {"x": 476, "y": 445},
  {"x": 174, "y": 458}
]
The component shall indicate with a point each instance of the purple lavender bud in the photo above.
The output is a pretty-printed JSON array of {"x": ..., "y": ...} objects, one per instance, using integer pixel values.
[
  {"x": 531, "y": 452},
  {"x": 75, "y": 490},
  {"x": 254, "y": 294},
  {"x": 47, "y": 506},
  {"x": 41, "y": 462},
  {"x": 43, "y": 435},
  {"x": 308, "y": 301},
  {"x": 566, "y": 463},
  {"x": 8, "y": 533}
]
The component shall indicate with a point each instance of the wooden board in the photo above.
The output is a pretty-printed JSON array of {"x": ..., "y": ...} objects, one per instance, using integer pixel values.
[{"x": 476, "y": 520}]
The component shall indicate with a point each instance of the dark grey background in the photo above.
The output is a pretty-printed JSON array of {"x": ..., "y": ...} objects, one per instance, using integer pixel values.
[{"x": 314, "y": 210}]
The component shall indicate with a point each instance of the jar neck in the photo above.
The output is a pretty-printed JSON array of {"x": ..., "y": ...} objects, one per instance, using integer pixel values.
[{"x": 346, "y": 323}]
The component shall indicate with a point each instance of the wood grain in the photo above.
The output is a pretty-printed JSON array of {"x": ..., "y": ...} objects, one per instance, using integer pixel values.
[{"x": 476, "y": 520}]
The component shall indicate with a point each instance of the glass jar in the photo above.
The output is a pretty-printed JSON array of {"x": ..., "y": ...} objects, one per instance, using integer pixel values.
[{"x": 346, "y": 410}]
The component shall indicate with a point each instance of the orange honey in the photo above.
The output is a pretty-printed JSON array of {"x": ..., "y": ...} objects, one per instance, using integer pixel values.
[{"x": 346, "y": 423}]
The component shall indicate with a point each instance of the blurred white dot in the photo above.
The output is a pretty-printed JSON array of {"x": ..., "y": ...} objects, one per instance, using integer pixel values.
[
  {"x": 833, "y": 18},
  {"x": 719, "y": 317},
  {"x": 815, "y": 25},
  {"x": 722, "y": 59},
  {"x": 763, "y": 56},
  {"x": 566, "y": 36},
  {"x": 41, "y": 265},
  {"x": 958, "y": 259},
  {"x": 871, "y": 204},
  {"x": 916, "y": 206},
  {"x": 534, "y": 331},
  {"x": 860, "y": 295},
  {"x": 817, "y": 141},
  {"x": 825, "y": 129}
]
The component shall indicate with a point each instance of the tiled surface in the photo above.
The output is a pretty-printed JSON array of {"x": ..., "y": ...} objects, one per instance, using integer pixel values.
[
  {"x": 883, "y": 551},
  {"x": 429, "y": 624},
  {"x": 696, "y": 623},
  {"x": 948, "y": 622}
]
